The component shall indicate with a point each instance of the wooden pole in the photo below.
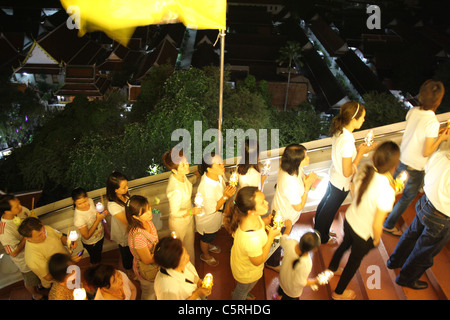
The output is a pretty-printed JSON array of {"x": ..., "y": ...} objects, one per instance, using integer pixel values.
[{"x": 222, "y": 50}]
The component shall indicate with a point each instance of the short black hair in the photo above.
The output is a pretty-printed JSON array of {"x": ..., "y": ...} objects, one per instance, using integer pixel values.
[
  {"x": 28, "y": 225},
  {"x": 4, "y": 203},
  {"x": 292, "y": 156},
  {"x": 57, "y": 266},
  {"x": 168, "y": 252}
]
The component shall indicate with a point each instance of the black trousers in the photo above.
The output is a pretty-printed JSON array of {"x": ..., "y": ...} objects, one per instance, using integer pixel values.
[
  {"x": 95, "y": 251},
  {"x": 359, "y": 248}
]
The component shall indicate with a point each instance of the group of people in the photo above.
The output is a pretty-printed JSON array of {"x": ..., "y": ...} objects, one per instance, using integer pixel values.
[{"x": 165, "y": 267}]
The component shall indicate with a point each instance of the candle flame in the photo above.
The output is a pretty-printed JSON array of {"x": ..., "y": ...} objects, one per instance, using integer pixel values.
[
  {"x": 79, "y": 294},
  {"x": 207, "y": 282},
  {"x": 234, "y": 179}
]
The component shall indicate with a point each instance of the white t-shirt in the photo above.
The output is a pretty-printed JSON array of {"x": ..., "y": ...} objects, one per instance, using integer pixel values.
[
  {"x": 10, "y": 239},
  {"x": 420, "y": 124},
  {"x": 288, "y": 192},
  {"x": 86, "y": 219},
  {"x": 247, "y": 244},
  {"x": 378, "y": 195},
  {"x": 176, "y": 285},
  {"x": 437, "y": 181},
  {"x": 119, "y": 232},
  {"x": 293, "y": 280},
  {"x": 251, "y": 179},
  {"x": 210, "y": 220},
  {"x": 343, "y": 146}
]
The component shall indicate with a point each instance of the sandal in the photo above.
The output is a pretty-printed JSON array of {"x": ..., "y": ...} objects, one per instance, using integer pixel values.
[
  {"x": 211, "y": 262},
  {"x": 394, "y": 231},
  {"x": 346, "y": 295},
  {"x": 250, "y": 296},
  {"x": 214, "y": 249}
]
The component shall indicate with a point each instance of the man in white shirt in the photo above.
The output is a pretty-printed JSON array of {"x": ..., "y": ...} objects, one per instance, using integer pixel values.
[
  {"x": 420, "y": 140},
  {"x": 430, "y": 230}
]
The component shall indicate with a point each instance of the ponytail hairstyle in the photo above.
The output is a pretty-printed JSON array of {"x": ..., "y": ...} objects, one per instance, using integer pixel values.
[
  {"x": 207, "y": 162},
  {"x": 250, "y": 157},
  {"x": 309, "y": 241},
  {"x": 78, "y": 193},
  {"x": 172, "y": 158},
  {"x": 135, "y": 206},
  {"x": 385, "y": 158},
  {"x": 112, "y": 184},
  {"x": 349, "y": 110},
  {"x": 292, "y": 156},
  {"x": 239, "y": 208},
  {"x": 430, "y": 94}
]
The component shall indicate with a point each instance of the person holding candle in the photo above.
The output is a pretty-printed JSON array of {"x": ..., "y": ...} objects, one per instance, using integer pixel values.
[
  {"x": 117, "y": 194},
  {"x": 177, "y": 278},
  {"x": 373, "y": 198},
  {"x": 109, "y": 283},
  {"x": 248, "y": 169},
  {"x": 12, "y": 213},
  {"x": 89, "y": 223},
  {"x": 420, "y": 139},
  {"x": 251, "y": 245},
  {"x": 142, "y": 238},
  {"x": 293, "y": 185},
  {"x": 57, "y": 267},
  {"x": 297, "y": 265},
  {"x": 179, "y": 194},
  {"x": 215, "y": 193},
  {"x": 41, "y": 243},
  {"x": 429, "y": 232},
  {"x": 345, "y": 159}
]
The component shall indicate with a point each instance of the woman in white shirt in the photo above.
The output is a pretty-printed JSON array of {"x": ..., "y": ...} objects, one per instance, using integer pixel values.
[
  {"x": 297, "y": 265},
  {"x": 345, "y": 158},
  {"x": 177, "y": 278},
  {"x": 89, "y": 222},
  {"x": 292, "y": 184},
  {"x": 373, "y": 199},
  {"x": 248, "y": 169},
  {"x": 215, "y": 193},
  {"x": 251, "y": 244},
  {"x": 117, "y": 194},
  {"x": 179, "y": 194}
]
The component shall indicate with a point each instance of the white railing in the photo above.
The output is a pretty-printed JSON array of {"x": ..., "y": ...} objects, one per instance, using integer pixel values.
[{"x": 59, "y": 214}]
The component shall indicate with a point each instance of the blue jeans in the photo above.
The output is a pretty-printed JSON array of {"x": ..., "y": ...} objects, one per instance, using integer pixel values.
[
  {"x": 425, "y": 237},
  {"x": 415, "y": 180},
  {"x": 326, "y": 210},
  {"x": 242, "y": 290}
]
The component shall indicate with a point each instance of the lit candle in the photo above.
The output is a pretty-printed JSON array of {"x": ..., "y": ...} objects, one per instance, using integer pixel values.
[
  {"x": 79, "y": 294},
  {"x": 207, "y": 282},
  {"x": 369, "y": 138},
  {"x": 322, "y": 279},
  {"x": 71, "y": 238},
  {"x": 198, "y": 201},
  {"x": 401, "y": 180},
  {"x": 173, "y": 235},
  {"x": 278, "y": 222},
  {"x": 234, "y": 179},
  {"x": 266, "y": 168},
  {"x": 99, "y": 207}
]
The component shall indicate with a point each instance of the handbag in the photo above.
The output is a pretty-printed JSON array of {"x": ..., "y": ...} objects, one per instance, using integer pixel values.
[{"x": 146, "y": 271}]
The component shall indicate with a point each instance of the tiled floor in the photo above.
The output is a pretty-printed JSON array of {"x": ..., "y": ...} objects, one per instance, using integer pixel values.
[{"x": 267, "y": 286}]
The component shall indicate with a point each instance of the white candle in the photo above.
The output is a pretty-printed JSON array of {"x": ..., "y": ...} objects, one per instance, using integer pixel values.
[
  {"x": 99, "y": 207},
  {"x": 79, "y": 294}
]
